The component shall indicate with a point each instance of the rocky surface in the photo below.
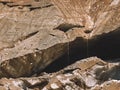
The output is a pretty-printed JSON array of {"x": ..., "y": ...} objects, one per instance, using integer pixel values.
[
  {"x": 87, "y": 74},
  {"x": 27, "y": 39},
  {"x": 34, "y": 33},
  {"x": 96, "y": 16}
]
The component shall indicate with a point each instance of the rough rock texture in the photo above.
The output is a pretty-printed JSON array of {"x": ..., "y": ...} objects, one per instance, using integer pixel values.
[
  {"x": 34, "y": 33},
  {"x": 28, "y": 42},
  {"x": 87, "y": 74},
  {"x": 96, "y": 16}
]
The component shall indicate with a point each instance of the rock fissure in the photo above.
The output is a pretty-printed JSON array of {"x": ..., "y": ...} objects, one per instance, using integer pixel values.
[
  {"x": 47, "y": 6},
  {"x": 66, "y": 26},
  {"x": 105, "y": 46}
]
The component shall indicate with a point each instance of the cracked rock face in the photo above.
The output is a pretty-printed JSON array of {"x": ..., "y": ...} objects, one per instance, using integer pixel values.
[{"x": 35, "y": 33}]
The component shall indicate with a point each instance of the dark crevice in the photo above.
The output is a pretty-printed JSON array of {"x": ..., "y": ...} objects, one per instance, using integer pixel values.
[
  {"x": 15, "y": 5},
  {"x": 46, "y": 6},
  {"x": 77, "y": 51},
  {"x": 87, "y": 31},
  {"x": 31, "y": 8},
  {"x": 106, "y": 47},
  {"x": 37, "y": 0},
  {"x": 4, "y": 3},
  {"x": 66, "y": 26},
  {"x": 28, "y": 36},
  {"x": 29, "y": 5}
]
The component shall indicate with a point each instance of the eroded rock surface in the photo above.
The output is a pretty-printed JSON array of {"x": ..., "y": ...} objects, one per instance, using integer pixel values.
[
  {"x": 87, "y": 74},
  {"x": 97, "y": 16},
  {"x": 28, "y": 40},
  {"x": 34, "y": 33}
]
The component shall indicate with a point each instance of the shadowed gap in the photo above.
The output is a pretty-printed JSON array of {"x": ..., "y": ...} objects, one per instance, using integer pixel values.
[{"x": 106, "y": 47}]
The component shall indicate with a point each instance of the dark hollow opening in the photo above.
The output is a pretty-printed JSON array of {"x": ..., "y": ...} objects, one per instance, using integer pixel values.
[
  {"x": 106, "y": 47},
  {"x": 66, "y": 26},
  {"x": 88, "y": 31}
]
